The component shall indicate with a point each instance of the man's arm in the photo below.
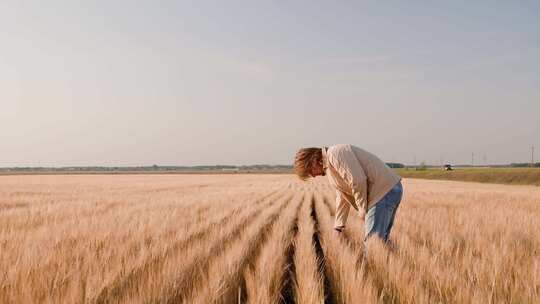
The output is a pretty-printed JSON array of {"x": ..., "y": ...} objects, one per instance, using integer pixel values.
[
  {"x": 342, "y": 212},
  {"x": 352, "y": 172}
]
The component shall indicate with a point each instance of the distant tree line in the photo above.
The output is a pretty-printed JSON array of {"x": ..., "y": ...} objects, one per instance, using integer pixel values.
[
  {"x": 164, "y": 168},
  {"x": 522, "y": 165},
  {"x": 243, "y": 168}
]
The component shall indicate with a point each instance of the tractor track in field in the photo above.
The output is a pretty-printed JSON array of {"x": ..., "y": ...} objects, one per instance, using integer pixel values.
[
  {"x": 287, "y": 291},
  {"x": 175, "y": 296},
  {"x": 329, "y": 296},
  {"x": 119, "y": 286}
]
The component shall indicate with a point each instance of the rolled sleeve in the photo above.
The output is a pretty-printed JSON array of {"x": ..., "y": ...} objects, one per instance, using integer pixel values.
[
  {"x": 349, "y": 168},
  {"x": 342, "y": 211}
]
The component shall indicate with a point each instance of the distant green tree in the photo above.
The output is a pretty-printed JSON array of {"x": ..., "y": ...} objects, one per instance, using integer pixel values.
[
  {"x": 395, "y": 165},
  {"x": 422, "y": 167}
]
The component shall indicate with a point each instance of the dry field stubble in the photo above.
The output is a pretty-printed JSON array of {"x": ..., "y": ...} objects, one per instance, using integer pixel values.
[{"x": 259, "y": 239}]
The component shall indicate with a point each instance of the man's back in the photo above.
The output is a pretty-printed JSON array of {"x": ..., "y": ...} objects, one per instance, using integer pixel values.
[{"x": 380, "y": 178}]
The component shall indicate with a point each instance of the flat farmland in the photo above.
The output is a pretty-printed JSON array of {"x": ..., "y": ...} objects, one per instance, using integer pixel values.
[{"x": 259, "y": 239}]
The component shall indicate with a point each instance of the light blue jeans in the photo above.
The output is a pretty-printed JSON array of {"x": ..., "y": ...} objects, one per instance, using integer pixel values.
[{"x": 380, "y": 217}]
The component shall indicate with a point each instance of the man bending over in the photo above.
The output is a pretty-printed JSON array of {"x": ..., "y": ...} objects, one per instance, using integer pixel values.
[{"x": 361, "y": 180}]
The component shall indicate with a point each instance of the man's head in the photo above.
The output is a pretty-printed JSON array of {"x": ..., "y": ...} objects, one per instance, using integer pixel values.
[{"x": 308, "y": 163}]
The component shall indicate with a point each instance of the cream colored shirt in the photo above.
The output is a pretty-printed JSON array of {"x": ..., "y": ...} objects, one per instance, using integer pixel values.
[{"x": 360, "y": 178}]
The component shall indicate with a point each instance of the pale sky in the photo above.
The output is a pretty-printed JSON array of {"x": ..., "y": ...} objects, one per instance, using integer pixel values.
[{"x": 244, "y": 82}]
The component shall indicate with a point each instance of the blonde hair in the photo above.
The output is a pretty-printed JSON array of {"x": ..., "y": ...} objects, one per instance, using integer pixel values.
[{"x": 303, "y": 160}]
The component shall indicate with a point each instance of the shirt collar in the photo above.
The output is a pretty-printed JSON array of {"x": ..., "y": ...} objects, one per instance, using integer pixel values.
[{"x": 325, "y": 158}]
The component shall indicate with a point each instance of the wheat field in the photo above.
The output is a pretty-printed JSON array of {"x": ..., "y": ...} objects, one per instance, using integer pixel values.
[{"x": 259, "y": 239}]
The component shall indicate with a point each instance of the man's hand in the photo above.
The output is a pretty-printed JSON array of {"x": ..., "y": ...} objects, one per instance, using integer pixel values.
[{"x": 338, "y": 232}]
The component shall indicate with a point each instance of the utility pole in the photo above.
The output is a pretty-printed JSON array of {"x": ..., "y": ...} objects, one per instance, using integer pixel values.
[
  {"x": 472, "y": 159},
  {"x": 532, "y": 156},
  {"x": 414, "y": 162},
  {"x": 485, "y": 160}
]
